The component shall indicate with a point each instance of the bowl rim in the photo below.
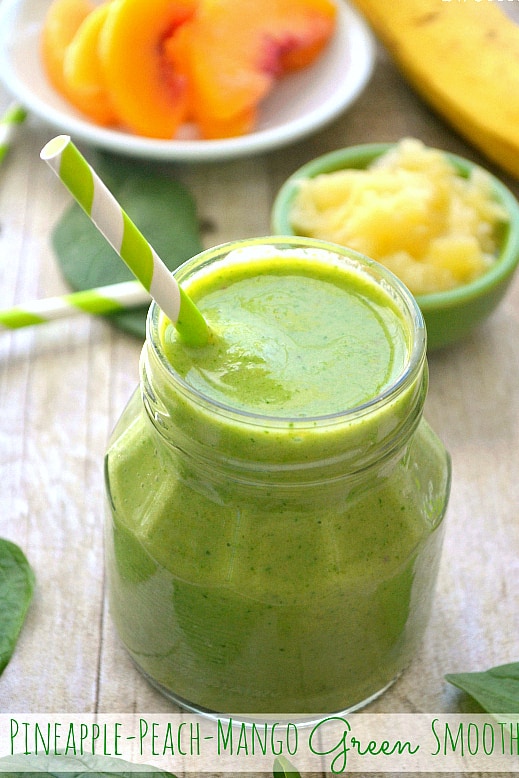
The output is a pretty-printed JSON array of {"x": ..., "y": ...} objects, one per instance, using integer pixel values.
[{"x": 358, "y": 156}]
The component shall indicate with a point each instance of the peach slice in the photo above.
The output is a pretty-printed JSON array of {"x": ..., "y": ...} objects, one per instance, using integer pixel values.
[
  {"x": 83, "y": 72},
  {"x": 236, "y": 50},
  {"x": 176, "y": 51},
  {"x": 237, "y": 124},
  {"x": 150, "y": 97},
  {"x": 62, "y": 20}
]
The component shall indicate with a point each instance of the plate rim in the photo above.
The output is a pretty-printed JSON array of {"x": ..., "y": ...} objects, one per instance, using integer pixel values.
[{"x": 362, "y": 58}]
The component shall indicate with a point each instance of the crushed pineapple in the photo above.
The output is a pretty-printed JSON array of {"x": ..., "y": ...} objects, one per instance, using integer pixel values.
[{"x": 411, "y": 211}]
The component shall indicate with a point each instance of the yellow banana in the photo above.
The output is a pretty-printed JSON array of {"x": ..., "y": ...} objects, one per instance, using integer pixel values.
[{"x": 462, "y": 56}]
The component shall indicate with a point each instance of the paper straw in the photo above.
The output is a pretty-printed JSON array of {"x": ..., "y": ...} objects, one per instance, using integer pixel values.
[
  {"x": 115, "y": 225},
  {"x": 9, "y": 123},
  {"x": 98, "y": 301}
]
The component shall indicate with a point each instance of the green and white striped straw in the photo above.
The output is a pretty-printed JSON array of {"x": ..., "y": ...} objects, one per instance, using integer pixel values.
[
  {"x": 9, "y": 123},
  {"x": 98, "y": 301},
  {"x": 114, "y": 224}
]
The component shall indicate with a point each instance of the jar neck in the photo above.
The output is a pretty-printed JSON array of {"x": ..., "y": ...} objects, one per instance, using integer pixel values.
[{"x": 258, "y": 448}]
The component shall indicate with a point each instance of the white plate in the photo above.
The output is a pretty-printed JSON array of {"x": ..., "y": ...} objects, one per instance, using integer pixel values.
[{"x": 299, "y": 104}]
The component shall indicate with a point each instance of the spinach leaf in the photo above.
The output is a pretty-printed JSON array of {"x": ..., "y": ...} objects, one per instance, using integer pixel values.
[
  {"x": 161, "y": 207},
  {"x": 16, "y": 588},
  {"x": 61, "y": 766},
  {"x": 496, "y": 689},
  {"x": 283, "y": 768},
  {"x": 23, "y": 766}
]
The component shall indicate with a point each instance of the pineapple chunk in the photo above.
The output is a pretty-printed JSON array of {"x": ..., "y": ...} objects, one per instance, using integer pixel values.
[{"x": 411, "y": 211}]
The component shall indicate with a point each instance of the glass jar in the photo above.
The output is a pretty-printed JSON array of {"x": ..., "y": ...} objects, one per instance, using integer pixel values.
[{"x": 270, "y": 564}]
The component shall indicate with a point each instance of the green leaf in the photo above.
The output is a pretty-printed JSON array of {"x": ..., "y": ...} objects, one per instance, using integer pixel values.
[
  {"x": 496, "y": 689},
  {"x": 163, "y": 210},
  {"x": 283, "y": 768},
  {"x": 16, "y": 588},
  {"x": 23, "y": 765}
]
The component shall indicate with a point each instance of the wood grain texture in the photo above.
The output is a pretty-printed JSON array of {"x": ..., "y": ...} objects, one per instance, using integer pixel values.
[{"x": 63, "y": 385}]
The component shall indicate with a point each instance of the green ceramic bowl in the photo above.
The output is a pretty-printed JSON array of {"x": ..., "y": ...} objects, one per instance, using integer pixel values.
[{"x": 450, "y": 315}]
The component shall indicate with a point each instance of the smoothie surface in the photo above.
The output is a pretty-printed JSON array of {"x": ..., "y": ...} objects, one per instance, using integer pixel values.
[{"x": 292, "y": 338}]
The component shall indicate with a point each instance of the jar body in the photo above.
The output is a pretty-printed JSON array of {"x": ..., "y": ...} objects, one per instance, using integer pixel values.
[
  {"x": 234, "y": 599},
  {"x": 272, "y": 566}
]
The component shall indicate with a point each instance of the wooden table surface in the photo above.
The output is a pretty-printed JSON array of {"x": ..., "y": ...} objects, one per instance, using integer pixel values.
[{"x": 63, "y": 385}]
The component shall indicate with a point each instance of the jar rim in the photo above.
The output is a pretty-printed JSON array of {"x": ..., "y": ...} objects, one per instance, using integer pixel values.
[{"x": 383, "y": 276}]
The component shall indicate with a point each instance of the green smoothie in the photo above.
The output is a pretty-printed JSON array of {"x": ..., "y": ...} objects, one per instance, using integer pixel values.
[
  {"x": 276, "y": 498},
  {"x": 298, "y": 339}
]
